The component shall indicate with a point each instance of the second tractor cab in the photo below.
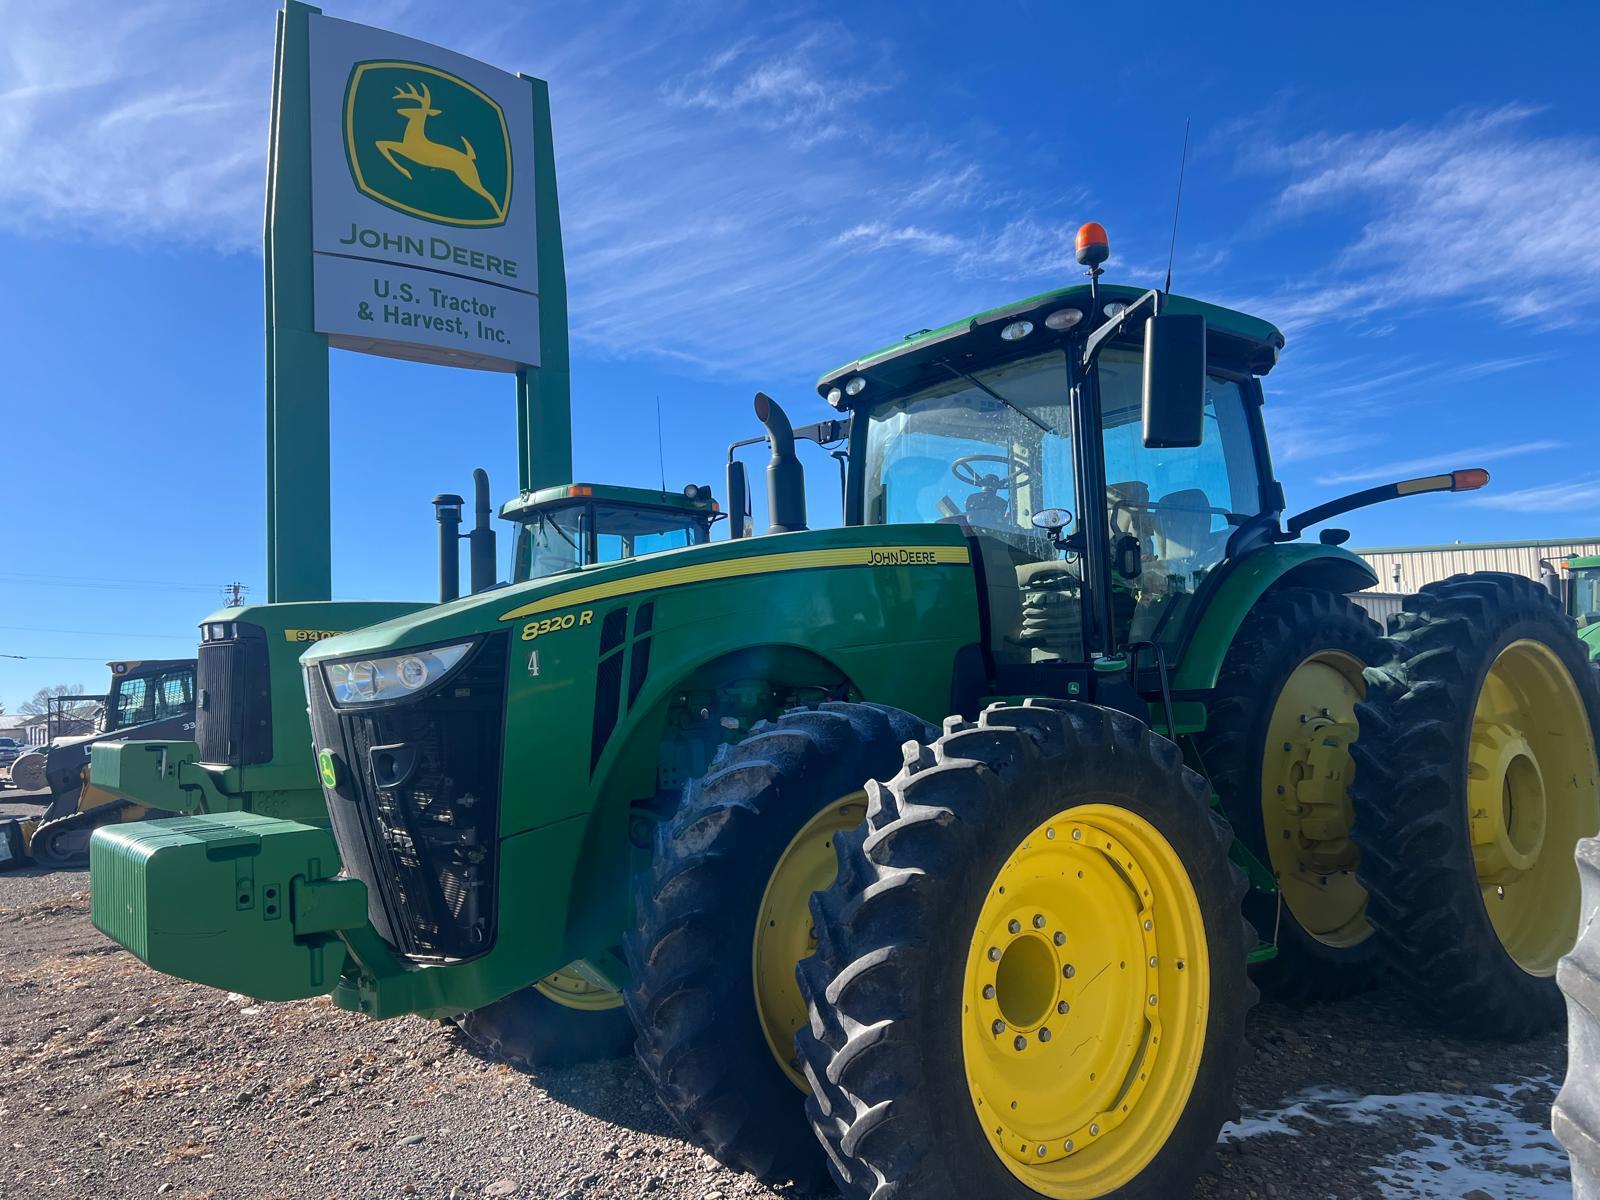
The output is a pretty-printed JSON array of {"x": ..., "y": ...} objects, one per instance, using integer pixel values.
[
  {"x": 578, "y": 524},
  {"x": 152, "y": 698},
  {"x": 929, "y": 835},
  {"x": 1582, "y": 587}
]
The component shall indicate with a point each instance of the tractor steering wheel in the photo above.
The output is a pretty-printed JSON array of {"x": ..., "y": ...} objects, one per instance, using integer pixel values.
[{"x": 1017, "y": 474}]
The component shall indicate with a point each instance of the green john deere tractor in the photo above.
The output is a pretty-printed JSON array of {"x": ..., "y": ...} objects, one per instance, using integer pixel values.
[
  {"x": 1024, "y": 766},
  {"x": 252, "y": 749},
  {"x": 1583, "y": 600}
]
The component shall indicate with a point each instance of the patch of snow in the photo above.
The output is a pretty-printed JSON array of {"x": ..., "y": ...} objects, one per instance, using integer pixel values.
[{"x": 1521, "y": 1161}]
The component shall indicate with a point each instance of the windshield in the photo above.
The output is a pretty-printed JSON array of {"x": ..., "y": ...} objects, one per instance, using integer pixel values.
[
  {"x": 562, "y": 539},
  {"x": 993, "y": 448}
]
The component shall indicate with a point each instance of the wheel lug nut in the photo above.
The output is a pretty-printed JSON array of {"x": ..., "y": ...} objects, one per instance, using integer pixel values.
[
  {"x": 1152, "y": 999},
  {"x": 998, "y": 1027},
  {"x": 1014, "y": 926},
  {"x": 1050, "y": 835},
  {"x": 1041, "y": 1151},
  {"x": 1063, "y": 1008},
  {"x": 1038, "y": 920},
  {"x": 1152, "y": 960},
  {"x": 1060, "y": 938},
  {"x": 1021, "y": 1043},
  {"x": 1067, "y": 1148},
  {"x": 988, "y": 991},
  {"x": 1094, "y": 1130},
  {"x": 1044, "y": 1035},
  {"x": 1069, "y": 970},
  {"x": 1077, "y": 835},
  {"x": 1149, "y": 925},
  {"x": 994, "y": 953}
]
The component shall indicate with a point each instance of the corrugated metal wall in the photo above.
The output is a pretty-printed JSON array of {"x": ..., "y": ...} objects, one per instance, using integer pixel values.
[
  {"x": 1405, "y": 569},
  {"x": 1380, "y": 606}
]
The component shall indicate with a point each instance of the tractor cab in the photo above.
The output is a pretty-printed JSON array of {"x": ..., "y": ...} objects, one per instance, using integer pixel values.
[
  {"x": 573, "y": 525},
  {"x": 1583, "y": 600},
  {"x": 1103, "y": 449}
]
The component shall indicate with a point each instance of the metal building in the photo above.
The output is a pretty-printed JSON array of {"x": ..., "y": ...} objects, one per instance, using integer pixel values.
[{"x": 1405, "y": 569}]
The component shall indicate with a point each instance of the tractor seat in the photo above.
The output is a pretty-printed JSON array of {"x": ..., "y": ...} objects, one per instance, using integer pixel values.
[{"x": 1183, "y": 527}]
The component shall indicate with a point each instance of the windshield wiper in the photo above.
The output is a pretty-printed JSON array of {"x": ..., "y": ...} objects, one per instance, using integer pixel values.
[{"x": 984, "y": 387}]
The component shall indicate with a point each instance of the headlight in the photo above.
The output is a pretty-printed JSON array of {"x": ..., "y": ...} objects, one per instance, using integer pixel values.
[{"x": 370, "y": 680}]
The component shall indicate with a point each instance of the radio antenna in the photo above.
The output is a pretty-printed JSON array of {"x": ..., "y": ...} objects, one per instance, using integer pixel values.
[
  {"x": 1177, "y": 204},
  {"x": 661, "y": 450}
]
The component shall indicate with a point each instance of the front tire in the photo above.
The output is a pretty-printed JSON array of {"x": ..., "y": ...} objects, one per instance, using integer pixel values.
[
  {"x": 561, "y": 1021},
  {"x": 1476, "y": 778},
  {"x": 722, "y": 920},
  {"x": 1576, "y": 1116},
  {"x": 1030, "y": 974}
]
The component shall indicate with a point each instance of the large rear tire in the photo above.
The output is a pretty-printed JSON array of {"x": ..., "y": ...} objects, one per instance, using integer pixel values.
[
  {"x": 1030, "y": 973},
  {"x": 560, "y": 1021},
  {"x": 1476, "y": 777},
  {"x": 1277, "y": 748},
  {"x": 1576, "y": 1117},
  {"x": 722, "y": 919}
]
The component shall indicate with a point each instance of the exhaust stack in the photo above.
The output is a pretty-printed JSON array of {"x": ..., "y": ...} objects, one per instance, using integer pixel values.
[
  {"x": 447, "y": 510},
  {"x": 786, "y": 478},
  {"x": 480, "y": 542}
]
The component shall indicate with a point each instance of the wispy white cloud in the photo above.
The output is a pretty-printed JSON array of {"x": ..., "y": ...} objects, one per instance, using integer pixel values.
[
  {"x": 1482, "y": 209},
  {"x": 1573, "y": 495},
  {"x": 1408, "y": 468}
]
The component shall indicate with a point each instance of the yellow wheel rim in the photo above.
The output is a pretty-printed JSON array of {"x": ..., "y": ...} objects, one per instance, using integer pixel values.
[
  {"x": 1085, "y": 1002},
  {"x": 571, "y": 990},
  {"x": 1306, "y": 815},
  {"x": 783, "y": 925},
  {"x": 1533, "y": 792}
]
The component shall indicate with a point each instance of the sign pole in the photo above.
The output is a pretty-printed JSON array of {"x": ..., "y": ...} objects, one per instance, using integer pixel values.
[
  {"x": 544, "y": 393},
  {"x": 299, "y": 478}
]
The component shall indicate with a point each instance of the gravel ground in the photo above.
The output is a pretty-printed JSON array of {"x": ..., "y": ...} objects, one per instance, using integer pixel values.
[{"x": 117, "y": 1081}]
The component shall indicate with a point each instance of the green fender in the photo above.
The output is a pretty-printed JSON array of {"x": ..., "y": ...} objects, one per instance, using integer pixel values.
[
  {"x": 1244, "y": 582},
  {"x": 1591, "y": 638}
]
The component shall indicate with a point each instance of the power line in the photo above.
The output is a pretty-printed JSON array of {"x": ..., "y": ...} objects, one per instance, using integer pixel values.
[
  {"x": 107, "y": 583},
  {"x": 169, "y": 637},
  {"x": 52, "y": 658}
]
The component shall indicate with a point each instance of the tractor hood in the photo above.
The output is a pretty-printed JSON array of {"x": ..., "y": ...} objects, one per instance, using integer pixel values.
[{"x": 521, "y": 607}]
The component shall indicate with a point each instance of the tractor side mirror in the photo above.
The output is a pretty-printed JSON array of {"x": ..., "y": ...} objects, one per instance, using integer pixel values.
[
  {"x": 1174, "y": 380},
  {"x": 738, "y": 500}
]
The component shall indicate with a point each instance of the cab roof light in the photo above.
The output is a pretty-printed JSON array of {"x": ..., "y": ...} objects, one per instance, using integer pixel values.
[
  {"x": 580, "y": 489},
  {"x": 1092, "y": 245}
]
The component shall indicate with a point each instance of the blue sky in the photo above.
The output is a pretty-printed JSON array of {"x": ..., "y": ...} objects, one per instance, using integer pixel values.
[{"x": 754, "y": 193}]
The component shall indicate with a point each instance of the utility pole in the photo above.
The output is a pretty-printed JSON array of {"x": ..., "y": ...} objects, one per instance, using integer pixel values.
[{"x": 233, "y": 594}]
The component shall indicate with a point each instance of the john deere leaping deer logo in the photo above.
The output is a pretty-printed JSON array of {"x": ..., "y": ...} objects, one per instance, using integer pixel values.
[{"x": 427, "y": 143}]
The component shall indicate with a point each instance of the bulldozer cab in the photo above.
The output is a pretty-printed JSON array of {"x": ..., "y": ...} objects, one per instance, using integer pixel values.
[
  {"x": 1047, "y": 460},
  {"x": 146, "y": 692},
  {"x": 574, "y": 525}
]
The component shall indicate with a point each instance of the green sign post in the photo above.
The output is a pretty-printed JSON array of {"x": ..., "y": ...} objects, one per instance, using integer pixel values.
[{"x": 412, "y": 213}]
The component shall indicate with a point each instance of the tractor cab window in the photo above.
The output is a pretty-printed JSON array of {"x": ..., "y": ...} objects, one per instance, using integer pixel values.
[
  {"x": 993, "y": 449},
  {"x": 1586, "y": 595},
  {"x": 563, "y": 539},
  {"x": 628, "y": 532},
  {"x": 132, "y": 702},
  {"x": 1176, "y": 507}
]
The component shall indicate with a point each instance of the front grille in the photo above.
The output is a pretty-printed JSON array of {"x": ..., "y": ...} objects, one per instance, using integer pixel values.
[
  {"x": 417, "y": 806},
  {"x": 233, "y": 712}
]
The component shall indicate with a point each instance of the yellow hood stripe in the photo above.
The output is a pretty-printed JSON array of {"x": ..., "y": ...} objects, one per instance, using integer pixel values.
[{"x": 734, "y": 568}]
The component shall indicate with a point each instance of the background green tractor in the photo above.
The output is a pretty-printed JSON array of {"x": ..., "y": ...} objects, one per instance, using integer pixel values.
[
  {"x": 1064, "y": 691},
  {"x": 252, "y": 750},
  {"x": 1583, "y": 600}
]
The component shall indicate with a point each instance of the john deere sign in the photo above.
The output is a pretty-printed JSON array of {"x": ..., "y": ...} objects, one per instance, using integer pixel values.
[{"x": 422, "y": 201}]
